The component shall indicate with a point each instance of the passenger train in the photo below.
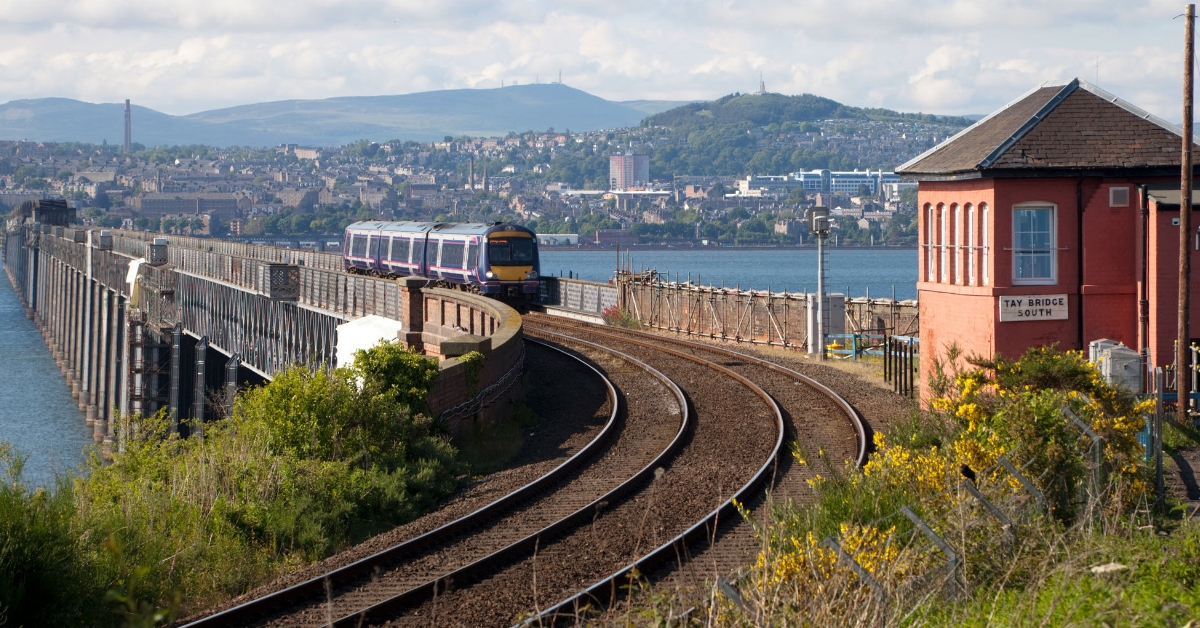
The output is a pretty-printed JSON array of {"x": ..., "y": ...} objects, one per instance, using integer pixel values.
[{"x": 494, "y": 259}]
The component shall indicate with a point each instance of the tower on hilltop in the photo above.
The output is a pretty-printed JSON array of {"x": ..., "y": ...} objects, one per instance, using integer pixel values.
[
  {"x": 762, "y": 87},
  {"x": 128, "y": 128}
]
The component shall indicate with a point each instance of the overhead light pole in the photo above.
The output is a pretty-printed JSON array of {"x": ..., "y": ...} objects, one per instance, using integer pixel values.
[{"x": 818, "y": 223}]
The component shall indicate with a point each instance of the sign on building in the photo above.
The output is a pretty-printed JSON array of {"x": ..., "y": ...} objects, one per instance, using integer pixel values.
[{"x": 1034, "y": 307}]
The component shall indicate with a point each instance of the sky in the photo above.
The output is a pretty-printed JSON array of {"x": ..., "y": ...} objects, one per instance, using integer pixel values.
[{"x": 934, "y": 56}]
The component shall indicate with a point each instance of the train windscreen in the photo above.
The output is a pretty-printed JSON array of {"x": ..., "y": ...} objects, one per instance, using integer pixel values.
[{"x": 510, "y": 252}]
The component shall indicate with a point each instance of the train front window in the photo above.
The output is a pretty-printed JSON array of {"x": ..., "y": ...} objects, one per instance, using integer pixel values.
[{"x": 515, "y": 252}]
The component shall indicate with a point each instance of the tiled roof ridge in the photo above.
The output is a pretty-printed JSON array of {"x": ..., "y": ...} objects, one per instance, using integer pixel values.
[
  {"x": 1029, "y": 124},
  {"x": 1068, "y": 87},
  {"x": 980, "y": 122}
]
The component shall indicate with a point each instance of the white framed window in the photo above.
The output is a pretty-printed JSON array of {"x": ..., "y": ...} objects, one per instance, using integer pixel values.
[
  {"x": 1118, "y": 197},
  {"x": 984, "y": 243},
  {"x": 944, "y": 257},
  {"x": 956, "y": 241},
  {"x": 930, "y": 259},
  {"x": 971, "y": 244},
  {"x": 1034, "y": 245}
]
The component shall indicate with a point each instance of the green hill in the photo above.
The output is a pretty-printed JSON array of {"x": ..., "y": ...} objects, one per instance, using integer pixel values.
[{"x": 766, "y": 109}]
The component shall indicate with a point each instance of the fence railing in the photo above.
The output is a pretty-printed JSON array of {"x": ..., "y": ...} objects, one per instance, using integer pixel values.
[
  {"x": 901, "y": 363},
  {"x": 855, "y": 346}
]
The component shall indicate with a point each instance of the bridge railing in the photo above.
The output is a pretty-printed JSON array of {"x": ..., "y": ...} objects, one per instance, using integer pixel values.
[
  {"x": 235, "y": 304},
  {"x": 135, "y": 242}
]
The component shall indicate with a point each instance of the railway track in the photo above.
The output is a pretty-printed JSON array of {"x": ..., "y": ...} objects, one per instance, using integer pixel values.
[
  {"x": 732, "y": 443},
  {"x": 820, "y": 420},
  {"x": 559, "y": 552},
  {"x": 637, "y": 438}
]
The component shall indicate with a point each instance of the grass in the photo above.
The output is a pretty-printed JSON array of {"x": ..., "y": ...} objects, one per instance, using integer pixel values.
[
  {"x": 1115, "y": 561},
  {"x": 308, "y": 464}
]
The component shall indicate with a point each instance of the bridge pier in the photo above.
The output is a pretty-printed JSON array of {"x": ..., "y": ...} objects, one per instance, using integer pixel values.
[{"x": 198, "y": 386}]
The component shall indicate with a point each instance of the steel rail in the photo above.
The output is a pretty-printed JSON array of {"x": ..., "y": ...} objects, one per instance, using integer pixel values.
[
  {"x": 529, "y": 544},
  {"x": 854, "y": 417},
  {"x": 262, "y": 606},
  {"x": 607, "y": 590}
]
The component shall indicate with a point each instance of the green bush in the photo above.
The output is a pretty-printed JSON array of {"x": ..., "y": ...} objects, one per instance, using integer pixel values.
[
  {"x": 307, "y": 464},
  {"x": 43, "y": 570}
]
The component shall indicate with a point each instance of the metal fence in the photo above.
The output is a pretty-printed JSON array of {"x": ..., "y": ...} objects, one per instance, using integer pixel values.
[{"x": 902, "y": 363}]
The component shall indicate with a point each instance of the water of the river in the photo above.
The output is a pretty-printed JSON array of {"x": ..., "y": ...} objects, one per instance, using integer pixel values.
[
  {"x": 37, "y": 414},
  {"x": 878, "y": 270}
]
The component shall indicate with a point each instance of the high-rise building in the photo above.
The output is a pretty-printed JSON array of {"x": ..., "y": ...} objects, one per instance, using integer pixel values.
[
  {"x": 128, "y": 129},
  {"x": 627, "y": 171}
]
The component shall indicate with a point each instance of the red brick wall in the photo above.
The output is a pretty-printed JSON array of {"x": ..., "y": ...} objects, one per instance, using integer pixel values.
[
  {"x": 955, "y": 310},
  {"x": 1163, "y": 286}
]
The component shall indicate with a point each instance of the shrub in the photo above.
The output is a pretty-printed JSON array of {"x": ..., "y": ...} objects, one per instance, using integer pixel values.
[
  {"x": 309, "y": 462},
  {"x": 44, "y": 572},
  {"x": 984, "y": 409},
  {"x": 618, "y": 317}
]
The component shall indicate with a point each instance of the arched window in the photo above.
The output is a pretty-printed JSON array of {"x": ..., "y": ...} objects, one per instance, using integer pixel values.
[
  {"x": 930, "y": 225},
  {"x": 971, "y": 244},
  {"x": 984, "y": 242},
  {"x": 956, "y": 242},
  {"x": 944, "y": 258}
]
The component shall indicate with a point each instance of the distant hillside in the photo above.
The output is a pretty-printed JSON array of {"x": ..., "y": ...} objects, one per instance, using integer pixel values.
[
  {"x": 764, "y": 109},
  {"x": 66, "y": 120},
  {"x": 422, "y": 116}
]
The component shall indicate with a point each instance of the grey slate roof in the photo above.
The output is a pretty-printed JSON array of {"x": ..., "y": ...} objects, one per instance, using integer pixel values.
[{"x": 1073, "y": 126}]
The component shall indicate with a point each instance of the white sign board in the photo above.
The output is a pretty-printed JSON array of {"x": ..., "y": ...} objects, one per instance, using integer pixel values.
[{"x": 1034, "y": 307}]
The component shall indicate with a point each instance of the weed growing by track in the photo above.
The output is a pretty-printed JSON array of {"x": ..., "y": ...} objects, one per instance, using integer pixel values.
[
  {"x": 307, "y": 464},
  {"x": 1115, "y": 560}
]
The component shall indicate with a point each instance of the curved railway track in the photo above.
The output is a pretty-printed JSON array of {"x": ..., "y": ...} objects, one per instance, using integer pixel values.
[
  {"x": 731, "y": 448},
  {"x": 646, "y": 494},
  {"x": 727, "y": 546},
  {"x": 386, "y": 583}
]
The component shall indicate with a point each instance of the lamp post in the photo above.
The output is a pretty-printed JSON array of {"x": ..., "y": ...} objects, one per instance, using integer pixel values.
[{"x": 818, "y": 223}]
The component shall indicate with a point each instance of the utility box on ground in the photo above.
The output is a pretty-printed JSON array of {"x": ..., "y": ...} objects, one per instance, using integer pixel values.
[
  {"x": 835, "y": 311},
  {"x": 1120, "y": 366}
]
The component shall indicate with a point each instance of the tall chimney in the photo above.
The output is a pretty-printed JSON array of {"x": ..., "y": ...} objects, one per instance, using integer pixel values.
[{"x": 128, "y": 129}]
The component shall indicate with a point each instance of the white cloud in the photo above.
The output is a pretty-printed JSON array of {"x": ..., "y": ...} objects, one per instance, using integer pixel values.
[{"x": 940, "y": 56}]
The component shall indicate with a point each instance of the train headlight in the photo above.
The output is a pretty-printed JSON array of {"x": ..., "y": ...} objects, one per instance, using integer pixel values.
[
  {"x": 490, "y": 275},
  {"x": 531, "y": 274}
]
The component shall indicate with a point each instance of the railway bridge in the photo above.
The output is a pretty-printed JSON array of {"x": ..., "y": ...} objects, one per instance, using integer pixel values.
[
  {"x": 138, "y": 323},
  {"x": 672, "y": 430}
]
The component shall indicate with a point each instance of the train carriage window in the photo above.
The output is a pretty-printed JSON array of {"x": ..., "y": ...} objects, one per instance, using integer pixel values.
[
  {"x": 400, "y": 249},
  {"x": 452, "y": 254},
  {"x": 359, "y": 247},
  {"x": 472, "y": 256},
  {"x": 374, "y": 247},
  {"x": 418, "y": 252}
]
